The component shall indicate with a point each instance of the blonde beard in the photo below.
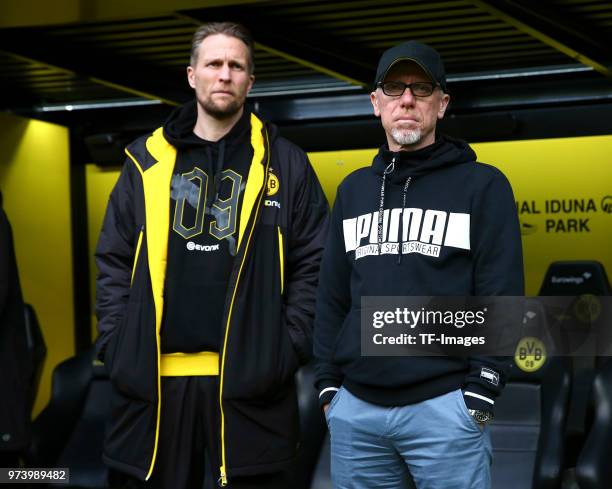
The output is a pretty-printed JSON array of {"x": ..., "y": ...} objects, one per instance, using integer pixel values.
[
  {"x": 220, "y": 112},
  {"x": 405, "y": 137}
]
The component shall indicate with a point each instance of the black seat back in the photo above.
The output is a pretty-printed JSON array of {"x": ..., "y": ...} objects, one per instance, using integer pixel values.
[
  {"x": 530, "y": 416},
  {"x": 593, "y": 468},
  {"x": 83, "y": 449},
  {"x": 69, "y": 432},
  {"x": 528, "y": 430},
  {"x": 312, "y": 428},
  {"x": 37, "y": 350},
  {"x": 577, "y": 278}
]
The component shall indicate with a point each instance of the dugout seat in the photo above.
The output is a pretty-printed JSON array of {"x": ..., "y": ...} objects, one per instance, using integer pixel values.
[
  {"x": 37, "y": 350},
  {"x": 578, "y": 278},
  {"x": 69, "y": 432},
  {"x": 593, "y": 468},
  {"x": 528, "y": 429},
  {"x": 312, "y": 428},
  {"x": 558, "y": 279},
  {"x": 530, "y": 416}
]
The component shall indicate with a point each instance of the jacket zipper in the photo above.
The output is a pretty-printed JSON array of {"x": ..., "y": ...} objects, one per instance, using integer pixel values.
[
  {"x": 223, "y": 472},
  {"x": 223, "y": 469},
  {"x": 138, "y": 244},
  {"x": 281, "y": 256}
]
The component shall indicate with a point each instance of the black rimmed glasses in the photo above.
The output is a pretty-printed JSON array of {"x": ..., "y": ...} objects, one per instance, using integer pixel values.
[{"x": 397, "y": 88}]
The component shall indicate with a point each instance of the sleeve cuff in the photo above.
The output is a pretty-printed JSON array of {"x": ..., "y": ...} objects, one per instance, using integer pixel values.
[
  {"x": 326, "y": 394},
  {"x": 476, "y": 397}
]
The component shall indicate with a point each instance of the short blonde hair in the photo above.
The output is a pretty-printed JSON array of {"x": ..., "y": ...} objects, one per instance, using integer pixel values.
[{"x": 230, "y": 29}]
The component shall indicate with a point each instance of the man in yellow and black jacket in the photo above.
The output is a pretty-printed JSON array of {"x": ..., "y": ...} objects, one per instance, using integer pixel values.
[{"x": 208, "y": 263}]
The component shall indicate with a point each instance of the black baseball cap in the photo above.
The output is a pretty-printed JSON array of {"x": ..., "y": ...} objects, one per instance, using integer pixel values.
[{"x": 425, "y": 56}]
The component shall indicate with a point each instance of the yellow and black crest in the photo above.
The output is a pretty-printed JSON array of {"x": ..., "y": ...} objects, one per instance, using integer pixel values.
[
  {"x": 530, "y": 354},
  {"x": 272, "y": 185}
]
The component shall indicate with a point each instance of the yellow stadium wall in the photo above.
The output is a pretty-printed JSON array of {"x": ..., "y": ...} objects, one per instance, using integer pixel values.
[
  {"x": 35, "y": 182},
  {"x": 540, "y": 171},
  {"x": 547, "y": 175}
]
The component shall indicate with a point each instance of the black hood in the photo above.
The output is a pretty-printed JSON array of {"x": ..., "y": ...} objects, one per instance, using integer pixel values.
[
  {"x": 445, "y": 151},
  {"x": 178, "y": 128}
]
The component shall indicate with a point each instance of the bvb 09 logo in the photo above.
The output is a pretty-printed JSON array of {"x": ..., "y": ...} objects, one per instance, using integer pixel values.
[
  {"x": 272, "y": 184},
  {"x": 530, "y": 354},
  {"x": 587, "y": 308}
]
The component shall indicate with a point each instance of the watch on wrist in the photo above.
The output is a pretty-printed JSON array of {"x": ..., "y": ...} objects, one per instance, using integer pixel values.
[{"x": 481, "y": 417}]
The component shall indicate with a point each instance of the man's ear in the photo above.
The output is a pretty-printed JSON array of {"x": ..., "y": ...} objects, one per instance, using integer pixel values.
[
  {"x": 444, "y": 101},
  {"x": 251, "y": 81},
  {"x": 374, "y": 101},
  {"x": 190, "y": 77}
]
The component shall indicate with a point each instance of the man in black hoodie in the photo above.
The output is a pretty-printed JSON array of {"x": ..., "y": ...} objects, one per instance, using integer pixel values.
[
  {"x": 424, "y": 220},
  {"x": 208, "y": 263}
]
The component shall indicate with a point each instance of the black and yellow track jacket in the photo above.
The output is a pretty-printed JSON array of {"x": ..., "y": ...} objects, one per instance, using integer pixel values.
[{"x": 268, "y": 312}]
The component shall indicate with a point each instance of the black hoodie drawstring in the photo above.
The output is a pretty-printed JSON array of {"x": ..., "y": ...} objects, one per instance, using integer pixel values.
[
  {"x": 401, "y": 244},
  {"x": 389, "y": 169},
  {"x": 218, "y": 169},
  {"x": 210, "y": 198},
  {"x": 381, "y": 209}
]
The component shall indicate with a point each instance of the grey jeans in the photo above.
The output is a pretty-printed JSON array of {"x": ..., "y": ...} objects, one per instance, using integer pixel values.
[{"x": 436, "y": 442}]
